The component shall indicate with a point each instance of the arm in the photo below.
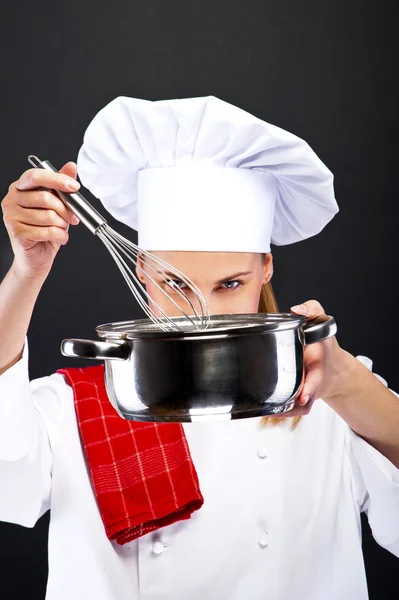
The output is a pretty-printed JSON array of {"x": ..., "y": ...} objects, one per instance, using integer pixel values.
[
  {"x": 18, "y": 294},
  {"x": 367, "y": 406},
  {"x": 37, "y": 223}
]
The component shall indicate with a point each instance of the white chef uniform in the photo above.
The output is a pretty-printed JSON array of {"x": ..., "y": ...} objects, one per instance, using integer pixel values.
[{"x": 281, "y": 517}]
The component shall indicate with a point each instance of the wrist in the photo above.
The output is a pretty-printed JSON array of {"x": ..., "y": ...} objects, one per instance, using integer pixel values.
[
  {"x": 27, "y": 277},
  {"x": 344, "y": 371}
]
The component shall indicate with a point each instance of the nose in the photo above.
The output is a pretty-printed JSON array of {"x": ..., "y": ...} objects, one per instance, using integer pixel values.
[
  {"x": 214, "y": 305},
  {"x": 199, "y": 303}
]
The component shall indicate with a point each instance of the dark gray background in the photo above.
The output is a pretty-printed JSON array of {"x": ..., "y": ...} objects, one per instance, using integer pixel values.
[{"x": 325, "y": 70}]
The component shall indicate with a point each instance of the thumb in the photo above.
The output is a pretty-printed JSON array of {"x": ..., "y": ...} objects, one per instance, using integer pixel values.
[{"x": 70, "y": 169}]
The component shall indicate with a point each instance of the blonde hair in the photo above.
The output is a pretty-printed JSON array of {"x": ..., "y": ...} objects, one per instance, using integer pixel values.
[{"x": 268, "y": 304}]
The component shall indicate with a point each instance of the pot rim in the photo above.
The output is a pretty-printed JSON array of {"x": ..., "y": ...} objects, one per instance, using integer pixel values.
[{"x": 220, "y": 326}]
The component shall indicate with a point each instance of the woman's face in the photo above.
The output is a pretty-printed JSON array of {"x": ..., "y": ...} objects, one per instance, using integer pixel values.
[{"x": 230, "y": 281}]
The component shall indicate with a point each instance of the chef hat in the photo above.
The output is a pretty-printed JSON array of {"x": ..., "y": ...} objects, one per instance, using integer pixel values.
[{"x": 202, "y": 174}]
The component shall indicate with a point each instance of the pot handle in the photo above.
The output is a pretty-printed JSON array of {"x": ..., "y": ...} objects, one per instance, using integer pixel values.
[
  {"x": 319, "y": 329},
  {"x": 95, "y": 350}
]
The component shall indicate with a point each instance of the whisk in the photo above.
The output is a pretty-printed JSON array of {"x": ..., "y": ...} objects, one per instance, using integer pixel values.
[{"x": 129, "y": 257}]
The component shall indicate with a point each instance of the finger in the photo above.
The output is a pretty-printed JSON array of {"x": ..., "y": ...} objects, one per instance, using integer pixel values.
[
  {"x": 36, "y": 178},
  {"x": 29, "y": 235},
  {"x": 311, "y": 309},
  {"x": 312, "y": 383},
  {"x": 70, "y": 169},
  {"x": 296, "y": 411},
  {"x": 40, "y": 218},
  {"x": 44, "y": 199}
]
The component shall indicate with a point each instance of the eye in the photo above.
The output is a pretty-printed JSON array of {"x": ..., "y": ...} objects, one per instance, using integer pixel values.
[
  {"x": 231, "y": 285},
  {"x": 176, "y": 284}
]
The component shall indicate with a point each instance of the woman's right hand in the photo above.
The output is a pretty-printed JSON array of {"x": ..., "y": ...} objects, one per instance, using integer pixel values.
[{"x": 37, "y": 221}]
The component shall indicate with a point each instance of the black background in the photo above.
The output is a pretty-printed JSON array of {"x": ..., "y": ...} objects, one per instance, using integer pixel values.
[{"x": 325, "y": 70}]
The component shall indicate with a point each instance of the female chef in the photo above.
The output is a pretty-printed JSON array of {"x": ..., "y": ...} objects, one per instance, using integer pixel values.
[{"x": 224, "y": 510}]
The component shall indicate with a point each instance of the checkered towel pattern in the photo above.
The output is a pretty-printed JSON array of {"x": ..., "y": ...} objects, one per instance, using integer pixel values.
[{"x": 142, "y": 474}]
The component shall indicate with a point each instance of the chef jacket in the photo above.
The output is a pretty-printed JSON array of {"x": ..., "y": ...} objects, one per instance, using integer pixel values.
[{"x": 281, "y": 518}]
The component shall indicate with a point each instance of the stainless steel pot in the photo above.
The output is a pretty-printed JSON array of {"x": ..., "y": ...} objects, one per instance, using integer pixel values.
[{"x": 242, "y": 366}]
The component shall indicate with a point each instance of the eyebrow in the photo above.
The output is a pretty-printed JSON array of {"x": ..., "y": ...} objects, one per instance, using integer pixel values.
[
  {"x": 233, "y": 277},
  {"x": 228, "y": 278}
]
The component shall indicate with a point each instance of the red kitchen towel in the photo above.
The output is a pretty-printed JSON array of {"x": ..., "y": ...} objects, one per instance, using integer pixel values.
[{"x": 142, "y": 474}]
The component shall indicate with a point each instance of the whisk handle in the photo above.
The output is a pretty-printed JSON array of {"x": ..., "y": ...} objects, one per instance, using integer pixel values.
[{"x": 75, "y": 201}]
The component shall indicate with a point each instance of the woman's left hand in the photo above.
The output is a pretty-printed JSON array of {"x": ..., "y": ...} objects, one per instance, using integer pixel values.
[{"x": 321, "y": 362}]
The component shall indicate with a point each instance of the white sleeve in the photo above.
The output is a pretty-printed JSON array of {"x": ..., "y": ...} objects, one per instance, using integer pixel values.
[
  {"x": 377, "y": 484},
  {"x": 25, "y": 453}
]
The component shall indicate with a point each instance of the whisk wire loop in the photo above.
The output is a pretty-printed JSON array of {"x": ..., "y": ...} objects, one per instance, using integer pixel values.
[
  {"x": 165, "y": 323},
  {"x": 117, "y": 245}
]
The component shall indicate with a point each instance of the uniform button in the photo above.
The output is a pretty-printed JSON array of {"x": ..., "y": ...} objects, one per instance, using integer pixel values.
[
  {"x": 263, "y": 540},
  {"x": 158, "y": 547},
  {"x": 262, "y": 452}
]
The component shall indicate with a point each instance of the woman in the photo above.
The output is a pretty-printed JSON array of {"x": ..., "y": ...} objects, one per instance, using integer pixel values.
[{"x": 276, "y": 512}]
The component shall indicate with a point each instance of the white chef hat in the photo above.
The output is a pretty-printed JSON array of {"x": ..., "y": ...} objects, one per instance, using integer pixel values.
[{"x": 202, "y": 174}]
